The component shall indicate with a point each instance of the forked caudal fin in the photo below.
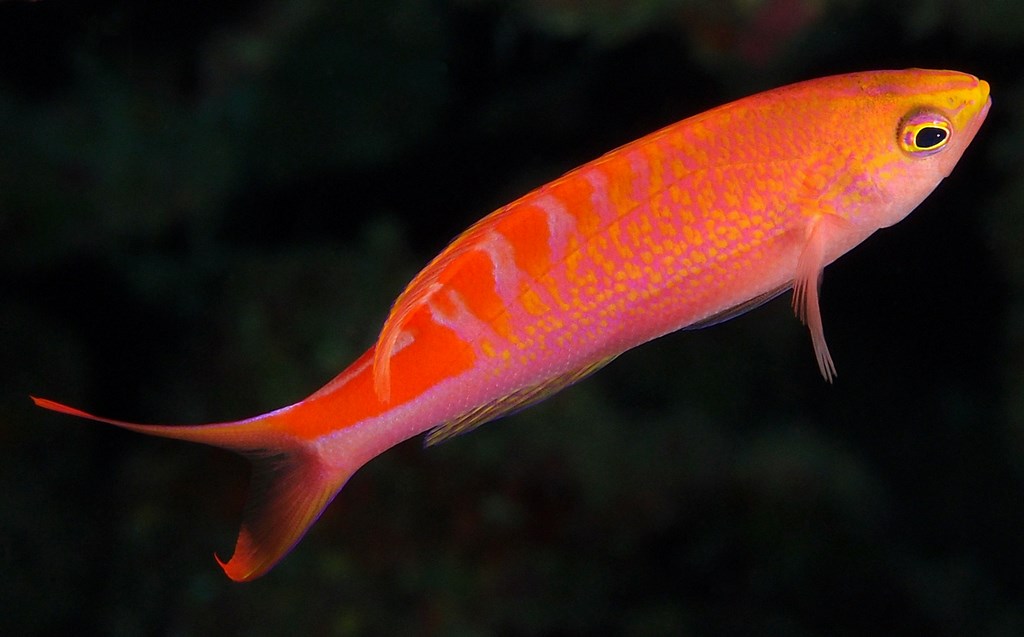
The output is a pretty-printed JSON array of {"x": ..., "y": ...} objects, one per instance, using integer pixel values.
[{"x": 290, "y": 487}]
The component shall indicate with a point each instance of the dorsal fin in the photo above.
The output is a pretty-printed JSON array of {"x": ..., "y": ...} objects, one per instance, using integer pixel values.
[
  {"x": 423, "y": 286},
  {"x": 414, "y": 296},
  {"x": 519, "y": 399}
]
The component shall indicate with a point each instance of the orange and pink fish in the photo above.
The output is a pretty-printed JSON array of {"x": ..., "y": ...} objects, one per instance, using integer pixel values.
[{"x": 686, "y": 227}]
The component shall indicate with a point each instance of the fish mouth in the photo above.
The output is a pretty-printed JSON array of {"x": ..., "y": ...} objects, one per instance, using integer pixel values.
[
  {"x": 983, "y": 91},
  {"x": 984, "y": 109},
  {"x": 974, "y": 110}
]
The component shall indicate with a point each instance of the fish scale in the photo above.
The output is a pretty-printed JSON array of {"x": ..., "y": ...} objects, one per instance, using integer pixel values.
[{"x": 681, "y": 229}]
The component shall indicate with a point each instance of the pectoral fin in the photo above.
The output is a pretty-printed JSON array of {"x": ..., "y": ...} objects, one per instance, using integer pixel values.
[{"x": 807, "y": 284}]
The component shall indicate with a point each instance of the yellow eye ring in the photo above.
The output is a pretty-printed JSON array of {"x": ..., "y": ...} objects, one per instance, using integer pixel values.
[{"x": 924, "y": 133}]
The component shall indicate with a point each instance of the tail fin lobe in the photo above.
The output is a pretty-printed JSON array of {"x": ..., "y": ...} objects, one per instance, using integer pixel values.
[
  {"x": 288, "y": 493},
  {"x": 291, "y": 484}
]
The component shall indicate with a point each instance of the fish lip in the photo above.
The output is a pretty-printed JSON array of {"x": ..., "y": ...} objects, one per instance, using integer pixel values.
[
  {"x": 979, "y": 117},
  {"x": 986, "y": 94},
  {"x": 974, "y": 122},
  {"x": 984, "y": 86},
  {"x": 983, "y": 113}
]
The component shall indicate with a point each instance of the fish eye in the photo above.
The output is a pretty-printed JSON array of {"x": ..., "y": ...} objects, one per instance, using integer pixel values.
[{"x": 922, "y": 134}]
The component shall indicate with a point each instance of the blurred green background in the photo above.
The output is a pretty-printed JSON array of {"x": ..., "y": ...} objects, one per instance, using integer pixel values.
[{"x": 207, "y": 208}]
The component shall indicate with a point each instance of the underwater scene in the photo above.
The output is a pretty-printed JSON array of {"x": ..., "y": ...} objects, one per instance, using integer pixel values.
[{"x": 207, "y": 211}]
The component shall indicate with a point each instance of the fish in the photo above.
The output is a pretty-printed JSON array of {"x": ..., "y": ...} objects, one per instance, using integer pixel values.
[{"x": 686, "y": 227}]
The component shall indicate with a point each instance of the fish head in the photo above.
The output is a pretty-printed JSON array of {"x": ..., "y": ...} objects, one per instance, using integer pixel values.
[{"x": 915, "y": 126}]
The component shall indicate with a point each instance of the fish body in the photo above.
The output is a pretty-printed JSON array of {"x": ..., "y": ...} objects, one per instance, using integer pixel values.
[{"x": 685, "y": 227}]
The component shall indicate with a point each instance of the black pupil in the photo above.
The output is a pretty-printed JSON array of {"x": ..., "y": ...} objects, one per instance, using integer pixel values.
[{"x": 929, "y": 137}]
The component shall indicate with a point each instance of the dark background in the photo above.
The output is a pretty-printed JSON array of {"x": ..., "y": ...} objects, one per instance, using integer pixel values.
[{"x": 206, "y": 209}]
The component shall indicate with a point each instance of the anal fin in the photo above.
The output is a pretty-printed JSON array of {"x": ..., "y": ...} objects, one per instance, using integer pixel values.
[
  {"x": 736, "y": 310},
  {"x": 519, "y": 399}
]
